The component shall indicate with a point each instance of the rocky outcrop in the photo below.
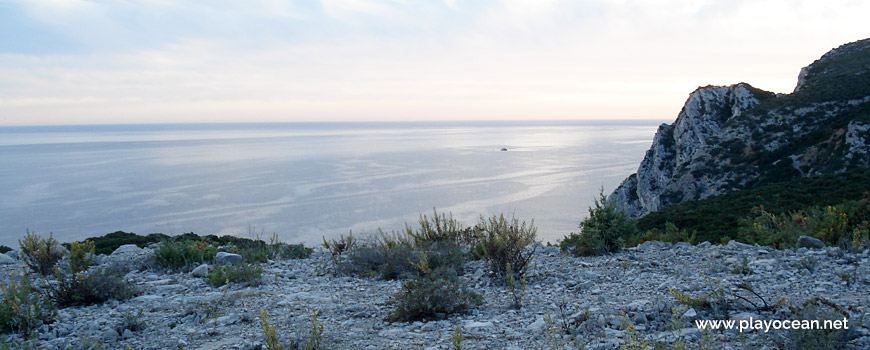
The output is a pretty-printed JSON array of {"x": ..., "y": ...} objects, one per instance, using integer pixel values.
[{"x": 734, "y": 137}]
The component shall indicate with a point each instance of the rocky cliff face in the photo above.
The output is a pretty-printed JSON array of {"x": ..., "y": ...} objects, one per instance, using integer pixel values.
[{"x": 729, "y": 138}]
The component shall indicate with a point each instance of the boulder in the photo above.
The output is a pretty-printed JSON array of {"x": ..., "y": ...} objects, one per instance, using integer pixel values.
[
  {"x": 200, "y": 271},
  {"x": 810, "y": 242},
  {"x": 127, "y": 249},
  {"x": 227, "y": 258},
  {"x": 6, "y": 259}
]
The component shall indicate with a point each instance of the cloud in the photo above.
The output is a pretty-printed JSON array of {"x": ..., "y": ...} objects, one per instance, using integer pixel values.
[{"x": 156, "y": 60}]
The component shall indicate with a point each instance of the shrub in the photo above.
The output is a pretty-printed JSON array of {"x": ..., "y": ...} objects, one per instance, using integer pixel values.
[
  {"x": 632, "y": 340},
  {"x": 504, "y": 244},
  {"x": 603, "y": 231},
  {"x": 396, "y": 262},
  {"x": 714, "y": 218},
  {"x": 832, "y": 224},
  {"x": 807, "y": 262},
  {"x": 516, "y": 288},
  {"x": 670, "y": 233},
  {"x": 315, "y": 337},
  {"x": 439, "y": 239},
  {"x": 22, "y": 308},
  {"x": 338, "y": 247},
  {"x": 435, "y": 295},
  {"x": 292, "y": 251},
  {"x": 4, "y": 249},
  {"x": 221, "y": 275},
  {"x": 269, "y": 333},
  {"x": 439, "y": 229},
  {"x": 107, "y": 243},
  {"x": 743, "y": 268},
  {"x": 132, "y": 321},
  {"x": 40, "y": 254},
  {"x": 81, "y": 256},
  {"x": 180, "y": 253},
  {"x": 805, "y": 339},
  {"x": 713, "y": 301},
  {"x": 400, "y": 261},
  {"x": 29, "y": 344},
  {"x": 91, "y": 287}
]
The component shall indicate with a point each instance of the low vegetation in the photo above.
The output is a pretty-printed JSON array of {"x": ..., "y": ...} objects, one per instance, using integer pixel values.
[
  {"x": 270, "y": 334},
  {"x": 505, "y": 245},
  {"x": 72, "y": 278},
  {"x": 77, "y": 284},
  {"x": 91, "y": 287},
  {"x": 40, "y": 254},
  {"x": 717, "y": 219},
  {"x": 806, "y": 339},
  {"x": 432, "y": 296},
  {"x": 438, "y": 241},
  {"x": 22, "y": 308},
  {"x": 605, "y": 230},
  {"x": 182, "y": 254},
  {"x": 241, "y": 273}
]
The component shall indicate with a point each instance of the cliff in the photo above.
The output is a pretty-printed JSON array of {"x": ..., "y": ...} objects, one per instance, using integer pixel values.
[{"x": 729, "y": 138}]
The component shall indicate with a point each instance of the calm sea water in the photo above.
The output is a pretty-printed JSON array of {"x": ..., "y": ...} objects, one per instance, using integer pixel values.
[{"x": 305, "y": 181}]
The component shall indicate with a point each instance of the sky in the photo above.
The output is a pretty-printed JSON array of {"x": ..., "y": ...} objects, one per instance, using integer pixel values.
[{"x": 159, "y": 61}]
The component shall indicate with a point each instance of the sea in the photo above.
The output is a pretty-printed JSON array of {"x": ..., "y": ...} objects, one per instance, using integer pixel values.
[{"x": 307, "y": 181}]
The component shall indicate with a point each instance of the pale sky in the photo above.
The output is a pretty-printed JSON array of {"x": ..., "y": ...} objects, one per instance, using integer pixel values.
[{"x": 156, "y": 61}]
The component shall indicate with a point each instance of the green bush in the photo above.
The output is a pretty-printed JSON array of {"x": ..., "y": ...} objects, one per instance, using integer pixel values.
[
  {"x": 387, "y": 262},
  {"x": 292, "y": 251},
  {"x": 400, "y": 261},
  {"x": 40, "y": 254},
  {"x": 81, "y": 256},
  {"x": 29, "y": 344},
  {"x": 603, "y": 231},
  {"x": 716, "y": 218},
  {"x": 93, "y": 286},
  {"x": 440, "y": 241},
  {"x": 270, "y": 334},
  {"x": 107, "y": 243},
  {"x": 4, "y": 249},
  {"x": 434, "y": 295},
  {"x": 670, "y": 233},
  {"x": 22, "y": 308},
  {"x": 221, "y": 275},
  {"x": 504, "y": 243},
  {"x": 833, "y": 225},
  {"x": 439, "y": 229},
  {"x": 178, "y": 254}
]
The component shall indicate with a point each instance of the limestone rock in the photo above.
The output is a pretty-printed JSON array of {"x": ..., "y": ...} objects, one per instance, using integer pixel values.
[
  {"x": 810, "y": 242},
  {"x": 12, "y": 254},
  {"x": 127, "y": 249},
  {"x": 6, "y": 259},
  {"x": 227, "y": 258},
  {"x": 200, "y": 271}
]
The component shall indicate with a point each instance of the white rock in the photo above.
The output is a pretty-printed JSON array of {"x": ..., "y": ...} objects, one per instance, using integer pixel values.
[
  {"x": 477, "y": 324},
  {"x": 227, "y": 258},
  {"x": 200, "y": 271},
  {"x": 127, "y": 249},
  {"x": 538, "y": 325},
  {"x": 6, "y": 259},
  {"x": 13, "y": 254},
  {"x": 690, "y": 314}
]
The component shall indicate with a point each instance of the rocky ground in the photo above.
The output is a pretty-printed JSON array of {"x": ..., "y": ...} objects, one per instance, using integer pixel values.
[{"x": 585, "y": 297}]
